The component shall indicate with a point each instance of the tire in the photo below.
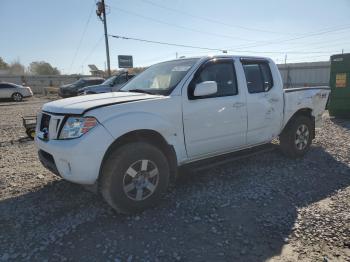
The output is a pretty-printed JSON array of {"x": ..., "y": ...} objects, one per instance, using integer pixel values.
[
  {"x": 17, "y": 97},
  {"x": 130, "y": 169},
  {"x": 296, "y": 137}
]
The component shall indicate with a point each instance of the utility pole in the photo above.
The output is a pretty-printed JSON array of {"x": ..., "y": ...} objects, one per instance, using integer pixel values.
[{"x": 101, "y": 10}]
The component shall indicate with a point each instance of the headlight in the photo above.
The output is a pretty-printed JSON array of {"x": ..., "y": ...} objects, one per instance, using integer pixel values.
[{"x": 75, "y": 127}]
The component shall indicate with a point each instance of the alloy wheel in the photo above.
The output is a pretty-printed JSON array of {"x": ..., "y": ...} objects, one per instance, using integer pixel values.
[
  {"x": 302, "y": 137},
  {"x": 141, "y": 180}
]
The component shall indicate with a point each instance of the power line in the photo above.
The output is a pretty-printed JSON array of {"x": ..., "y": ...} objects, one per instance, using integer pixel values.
[
  {"x": 306, "y": 35},
  {"x": 214, "y": 49},
  {"x": 211, "y": 20},
  {"x": 255, "y": 44},
  {"x": 328, "y": 45},
  {"x": 178, "y": 26},
  {"x": 92, "y": 50},
  {"x": 308, "y": 43},
  {"x": 166, "y": 43},
  {"x": 81, "y": 38}
]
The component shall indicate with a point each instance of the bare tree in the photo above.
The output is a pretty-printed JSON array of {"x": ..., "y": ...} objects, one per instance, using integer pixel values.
[
  {"x": 16, "y": 68},
  {"x": 42, "y": 68},
  {"x": 3, "y": 64}
]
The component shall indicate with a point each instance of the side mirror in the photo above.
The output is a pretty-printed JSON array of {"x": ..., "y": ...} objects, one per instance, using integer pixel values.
[
  {"x": 205, "y": 88},
  {"x": 267, "y": 86}
]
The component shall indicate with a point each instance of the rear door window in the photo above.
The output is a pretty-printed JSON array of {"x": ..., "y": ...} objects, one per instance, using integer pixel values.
[
  {"x": 258, "y": 76},
  {"x": 3, "y": 86}
]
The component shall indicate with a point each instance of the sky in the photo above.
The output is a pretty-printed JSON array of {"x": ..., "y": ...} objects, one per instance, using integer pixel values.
[{"x": 69, "y": 35}]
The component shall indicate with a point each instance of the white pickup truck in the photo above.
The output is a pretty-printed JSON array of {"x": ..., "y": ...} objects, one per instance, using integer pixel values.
[{"x": 131, "y": 142}]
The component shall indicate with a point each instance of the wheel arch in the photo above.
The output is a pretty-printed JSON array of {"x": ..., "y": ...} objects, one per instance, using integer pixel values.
[
  {"x": 148, "y": 136},
  {"x": 16, "y": 92},
  {"x": 307, "y": 112}
]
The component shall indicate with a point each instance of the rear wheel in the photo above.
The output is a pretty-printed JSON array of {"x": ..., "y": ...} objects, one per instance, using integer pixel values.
[
  {"x": 296, "y": 138},
  {"x": 17, "y": 97},
  {"x": 134, "y": 177}
]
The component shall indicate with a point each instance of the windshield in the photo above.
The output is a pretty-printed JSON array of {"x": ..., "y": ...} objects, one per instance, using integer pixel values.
[
  {"x": 110, "y": 80},
  {"x": 78, "y": 82},
  {"x": 160, "y": 78}
]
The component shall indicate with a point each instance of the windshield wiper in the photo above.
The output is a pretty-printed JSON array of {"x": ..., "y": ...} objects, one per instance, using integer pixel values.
[{"x": 140, "y": 91}]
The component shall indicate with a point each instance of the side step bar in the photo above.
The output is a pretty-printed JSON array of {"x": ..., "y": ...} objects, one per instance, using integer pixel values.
[{"x": 230, "y": 157}]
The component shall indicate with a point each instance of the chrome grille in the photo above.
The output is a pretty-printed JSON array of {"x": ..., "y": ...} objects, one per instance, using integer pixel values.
[
  {"x": 45, "y": 122},
  {"x": 49, "y": 126}
]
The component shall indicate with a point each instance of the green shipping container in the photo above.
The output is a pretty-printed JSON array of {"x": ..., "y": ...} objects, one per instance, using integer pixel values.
[{"x": 339, "y": 103}]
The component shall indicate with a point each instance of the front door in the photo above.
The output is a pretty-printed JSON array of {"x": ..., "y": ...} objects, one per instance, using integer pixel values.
[{"x": 216, "y": 123}]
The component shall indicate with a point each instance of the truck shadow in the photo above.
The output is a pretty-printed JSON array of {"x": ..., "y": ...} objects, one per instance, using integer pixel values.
[{"x": 243, "y": 211}]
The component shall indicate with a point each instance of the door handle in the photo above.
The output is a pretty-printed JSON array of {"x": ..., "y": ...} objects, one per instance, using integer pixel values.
[{"x": 238, "y": 105}]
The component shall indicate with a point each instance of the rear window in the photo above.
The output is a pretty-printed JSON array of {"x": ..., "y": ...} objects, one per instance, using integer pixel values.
[{"x": 95, "y": 81}]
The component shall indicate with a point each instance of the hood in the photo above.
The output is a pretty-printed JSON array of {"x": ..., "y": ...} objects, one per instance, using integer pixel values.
[
  {"x": 65, "y": 86},
  {"x": 80, "y": 104}
]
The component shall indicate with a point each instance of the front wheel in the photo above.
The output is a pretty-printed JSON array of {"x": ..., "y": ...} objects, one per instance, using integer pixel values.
[
  {"x": 17, "y": 97},
  {"x": 296, "y": 138},
  {"x": 134, "y": 177}
]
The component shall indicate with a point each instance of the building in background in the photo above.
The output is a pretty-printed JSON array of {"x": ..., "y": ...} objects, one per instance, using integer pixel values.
[{"x": 305, "y": 74}]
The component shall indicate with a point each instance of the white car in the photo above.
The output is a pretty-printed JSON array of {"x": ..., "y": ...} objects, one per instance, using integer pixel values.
[
  {"x": 131, "y": 142},
  {"x": 16, "y": 92}
]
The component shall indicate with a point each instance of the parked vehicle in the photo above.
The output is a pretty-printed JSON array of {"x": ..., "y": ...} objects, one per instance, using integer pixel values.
[
  {"x": 14, "y": 91},
  {"x": 112, "y": 84},
  {"x": 29, "y": 123},
  {"x": 131, "y": 142},
  {"x": 72, "y": 89}
]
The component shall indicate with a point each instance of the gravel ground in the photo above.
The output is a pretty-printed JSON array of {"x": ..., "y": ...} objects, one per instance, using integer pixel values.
[{"x": 265, "y": 207}]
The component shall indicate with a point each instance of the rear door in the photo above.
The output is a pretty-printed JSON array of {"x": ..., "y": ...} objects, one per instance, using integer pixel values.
[
  {"x": 217, "y": 123},
  {"x": 2, "y": 91},
  {"x": 264, "y": 101},
  {"x": 6, "y": 90}
]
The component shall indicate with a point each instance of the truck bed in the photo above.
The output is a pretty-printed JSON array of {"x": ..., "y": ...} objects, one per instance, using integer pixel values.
[{"x": 305, "y": 97}]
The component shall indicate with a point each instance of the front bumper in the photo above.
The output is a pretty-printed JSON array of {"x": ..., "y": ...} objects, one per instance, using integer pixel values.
[
  {"x": 77, "y": 160},
  {"x": 26, "y": 93},
  {"x": 48, "y": 162}
]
